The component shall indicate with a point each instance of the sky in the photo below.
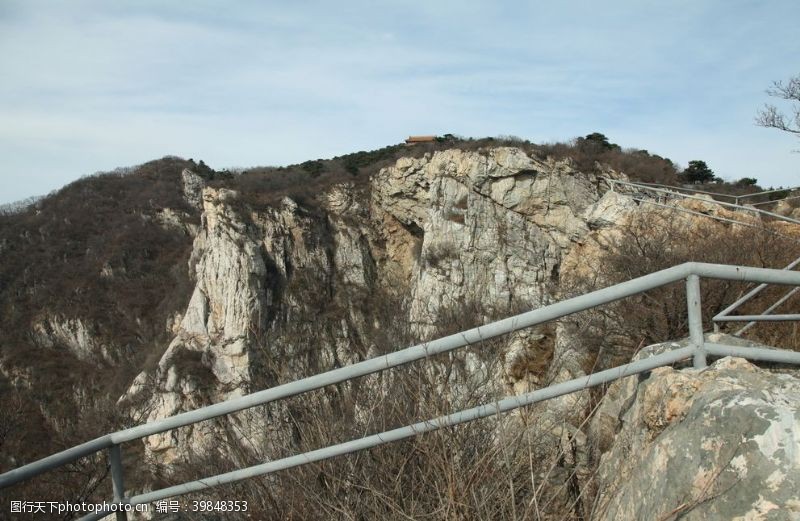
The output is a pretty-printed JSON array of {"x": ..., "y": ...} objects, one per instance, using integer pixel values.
[{"x": 89, "y": 86}]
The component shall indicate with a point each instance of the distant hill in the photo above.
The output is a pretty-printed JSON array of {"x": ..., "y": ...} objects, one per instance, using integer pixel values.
[{"x": 21, "y": 205}]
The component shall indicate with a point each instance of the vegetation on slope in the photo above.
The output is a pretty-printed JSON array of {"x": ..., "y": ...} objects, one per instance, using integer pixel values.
[
  {"x": 262, "y": 186},
  {"x": 93, "y": 251}
]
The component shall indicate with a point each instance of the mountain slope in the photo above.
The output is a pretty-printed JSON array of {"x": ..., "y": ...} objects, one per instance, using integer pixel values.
[{"x": 175, "y": 286}]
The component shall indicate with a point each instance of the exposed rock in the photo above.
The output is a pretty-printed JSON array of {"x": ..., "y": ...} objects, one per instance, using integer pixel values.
[
  {"x": 169, "y": 218},
  {"x": 444, "y": 231},
  {"x": 611, "y": 209},
  {"x": 193, "y": 186},
  {"x": 286, "y": 290},
  {"x": 491, "y": 227},
  {"x": 212, "y": 348},
  {"x": 722, "y": 443},
  {"x": 75, "y": 334},
  {"x": 283, "y": 292},
  {"x": 784, "y": 208}
]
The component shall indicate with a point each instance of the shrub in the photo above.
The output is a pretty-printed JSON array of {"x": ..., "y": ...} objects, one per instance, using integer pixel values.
[
  {"x": 52, "y": 265},
  {"x": 490, "y": 469},
  {"x": 656, "y": 240}
]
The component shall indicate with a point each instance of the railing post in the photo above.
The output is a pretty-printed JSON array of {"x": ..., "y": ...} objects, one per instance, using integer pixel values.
[
  {"x": 118, "y": 485},
  {"x": 695, "y": 320}
]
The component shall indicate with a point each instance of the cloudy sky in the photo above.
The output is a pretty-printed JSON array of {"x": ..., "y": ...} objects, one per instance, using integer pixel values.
[{"x": 92, "y": 85}]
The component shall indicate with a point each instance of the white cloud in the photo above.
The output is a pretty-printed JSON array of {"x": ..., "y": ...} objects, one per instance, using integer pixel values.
[{"x": 92, "y": 85}]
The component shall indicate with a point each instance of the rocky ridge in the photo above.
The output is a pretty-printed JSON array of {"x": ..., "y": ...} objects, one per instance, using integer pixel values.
[{"x": 440, "y": 232}]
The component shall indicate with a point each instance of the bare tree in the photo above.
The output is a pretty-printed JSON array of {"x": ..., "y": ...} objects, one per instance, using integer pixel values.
[{"x": 771, "y": 117}]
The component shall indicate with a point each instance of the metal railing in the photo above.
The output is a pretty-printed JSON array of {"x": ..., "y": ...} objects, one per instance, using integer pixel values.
[
  {"x": 725, "y": 314},
  {"x": 666, "y": 192},
  {"x": 737, "y": 199},
  {"x": 777, "y": 190},
  {"x": 698, "y": 349}
]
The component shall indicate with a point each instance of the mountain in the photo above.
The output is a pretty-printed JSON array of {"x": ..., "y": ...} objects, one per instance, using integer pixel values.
[
  {"x": 19, "y": 206},
  {"x": 128, "y": 298}
]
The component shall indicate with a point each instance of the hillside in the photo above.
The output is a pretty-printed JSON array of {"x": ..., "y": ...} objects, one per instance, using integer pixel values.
[{"x": 132, "y": 297}]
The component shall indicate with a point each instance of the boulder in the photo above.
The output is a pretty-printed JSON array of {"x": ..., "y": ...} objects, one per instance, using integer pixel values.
[{"x": 720, "y": 443}]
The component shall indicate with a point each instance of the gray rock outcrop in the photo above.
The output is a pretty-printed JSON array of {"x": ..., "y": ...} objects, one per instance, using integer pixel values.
[
  {"x": 440, "y": 233},
  {"x": 720, "y": 443},
  {"x": 210, "y": 358},
  {"x": 77, "y": 335}
]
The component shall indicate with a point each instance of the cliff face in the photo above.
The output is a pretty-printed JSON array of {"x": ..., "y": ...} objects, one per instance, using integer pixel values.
[{"x": 281, "y": 291}]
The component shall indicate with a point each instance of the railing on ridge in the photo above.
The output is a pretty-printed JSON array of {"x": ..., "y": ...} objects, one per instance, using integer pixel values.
[
  {"x": 737, "y": 199},
  {"x": 698, "y": 349},
  {"x": 665, "y": 192},
  {"x": 657, "y": 194}
]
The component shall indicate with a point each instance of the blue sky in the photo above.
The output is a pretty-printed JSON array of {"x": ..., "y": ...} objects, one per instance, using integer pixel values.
[{"x": 93, "y": 85}]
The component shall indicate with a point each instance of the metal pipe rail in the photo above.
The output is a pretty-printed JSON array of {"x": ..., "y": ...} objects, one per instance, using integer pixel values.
[
  {"x": 721, "y": 203},
  {"x": 677, "y": 189},
  {"x": 690, "y": 272},
  {"x": 767, "y": 311},
  {"x": 736, "y": 198},
  {"x": 773, "y": 191},
  {"x": 776, "y": 201},
  {"x": 725, "y": 314},
  {"x": 483, "y": 411},
  {"x": 715, "y": 217}
]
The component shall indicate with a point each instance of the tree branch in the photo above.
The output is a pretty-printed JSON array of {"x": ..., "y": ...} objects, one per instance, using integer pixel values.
[{"x": 771, "y": 117}]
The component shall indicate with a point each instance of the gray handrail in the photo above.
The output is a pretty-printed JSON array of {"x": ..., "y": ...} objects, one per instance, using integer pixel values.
[
  {"x": 736, "y": 198},
  {"x": 442, "y": 345},
  {"x": 721, "y": 203},
  {"x": 773, "y": 191},
  {"x": 715, "y": 217},
  {"x": 691, "y": 272},
  {"x": 670, "y": 187},
  {"x": 792, "y": 198},
  {"x": 765, "y": 315},
  {"x": 482, "y": 411},
  {"x": 725, "y": 314}
]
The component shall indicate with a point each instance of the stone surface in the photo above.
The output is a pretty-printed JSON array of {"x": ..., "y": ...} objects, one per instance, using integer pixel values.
[
  {"x": 450, "y": 231},
  {"x": 431, "y": 245},
  {"x": 75, "y": 334},
  {"x": 210, "y": 358},
  {"x": 193, "y": 186},
  {"x": 722, "y": 443},
  {"x": 491, "y": 227}
]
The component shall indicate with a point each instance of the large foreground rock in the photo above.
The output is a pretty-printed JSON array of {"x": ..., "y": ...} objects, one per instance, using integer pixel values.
[{"x": 722, "y": 443}]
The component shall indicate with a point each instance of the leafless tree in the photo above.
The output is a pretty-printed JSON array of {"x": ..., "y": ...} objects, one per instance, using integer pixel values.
[{"x": 771, "y": 117}]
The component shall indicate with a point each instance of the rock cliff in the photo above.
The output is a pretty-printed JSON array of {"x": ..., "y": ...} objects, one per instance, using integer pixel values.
[
  {"x": 448, "y": 232},
  {"x": 289, "y": 291}
]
